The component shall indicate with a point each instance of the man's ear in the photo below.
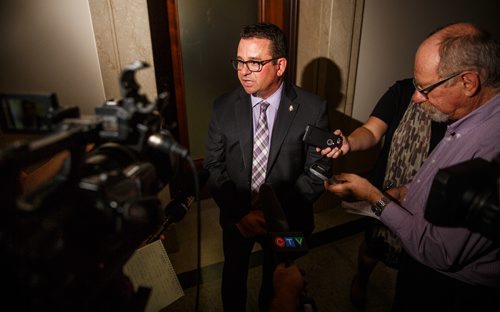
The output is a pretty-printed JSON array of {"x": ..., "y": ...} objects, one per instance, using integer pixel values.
[
  {"x": 281, "y": 66},
  {"x": 471, "y": 82}
]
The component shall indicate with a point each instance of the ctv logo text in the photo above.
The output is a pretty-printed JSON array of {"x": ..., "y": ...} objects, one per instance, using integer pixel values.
[{"x": 289, "y": 241}]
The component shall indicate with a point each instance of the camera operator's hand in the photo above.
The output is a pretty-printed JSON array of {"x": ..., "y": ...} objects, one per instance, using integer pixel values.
[
  {"x": 288, "y": 281},
  {"x": 336, "y": 152},
  {"x": 252, "y": 224}
]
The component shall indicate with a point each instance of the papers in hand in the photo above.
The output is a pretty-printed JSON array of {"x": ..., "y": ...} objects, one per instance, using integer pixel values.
[
  {"x": 150, "y": 267},
  {"x": 362, "y": 208}
]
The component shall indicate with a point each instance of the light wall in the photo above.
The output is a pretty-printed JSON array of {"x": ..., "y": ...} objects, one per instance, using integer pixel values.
[
  {"x": 49, "y": 46},
  {"x": 75, "y": 48},
  {"x": 328, "y": 37}
]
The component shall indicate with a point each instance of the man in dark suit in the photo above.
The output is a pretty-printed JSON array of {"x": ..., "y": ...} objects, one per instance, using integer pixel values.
[{"x": 235, "y": 150}]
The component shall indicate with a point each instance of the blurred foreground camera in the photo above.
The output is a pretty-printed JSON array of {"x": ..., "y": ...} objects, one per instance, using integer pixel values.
[
  {"x": 64, "y": 243},
  {"x": 34, "y": 113},
  {"x": 467, "y": 195}
]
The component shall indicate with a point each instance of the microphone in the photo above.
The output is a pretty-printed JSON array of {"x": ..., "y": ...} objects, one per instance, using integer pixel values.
[
  {"x": 275, "y": 217},
  {"x": 166, "y": 143},
  {"x": 286, "y": 244},
  {"x": 177, "y": 208}
]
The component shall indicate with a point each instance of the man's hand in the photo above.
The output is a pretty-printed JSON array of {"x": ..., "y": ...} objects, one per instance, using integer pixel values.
[
  {"x": 252, "y": 224},
  {"x": 336, "y": 152},
  {"x": 288, "y": 281},
  {"x": 397, "y": 193},
  {"x": 361, "y": 139},
  {"x": 352, "y": 185}
]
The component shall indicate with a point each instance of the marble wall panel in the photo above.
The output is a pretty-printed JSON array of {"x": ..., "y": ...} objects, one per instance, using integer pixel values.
[{"x": 122, "y": 35}]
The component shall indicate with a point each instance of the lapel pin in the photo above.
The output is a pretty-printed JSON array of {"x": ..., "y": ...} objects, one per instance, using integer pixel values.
[{"x": 290, "y": 108}]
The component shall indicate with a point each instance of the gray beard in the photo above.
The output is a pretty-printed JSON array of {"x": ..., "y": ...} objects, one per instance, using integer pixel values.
[{"x": 433, "y": 113}]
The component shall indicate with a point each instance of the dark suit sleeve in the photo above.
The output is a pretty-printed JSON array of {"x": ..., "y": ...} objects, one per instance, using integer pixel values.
[{"x": 223, "y": 190}]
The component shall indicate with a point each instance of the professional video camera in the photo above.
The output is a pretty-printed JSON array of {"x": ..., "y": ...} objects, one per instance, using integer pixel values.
[
  {"x": 467, "y": 195},
  {"x": 64, "y": 244}
]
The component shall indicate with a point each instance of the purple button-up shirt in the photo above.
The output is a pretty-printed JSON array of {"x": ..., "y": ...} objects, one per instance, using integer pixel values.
[{"x": 457, "y": 252}]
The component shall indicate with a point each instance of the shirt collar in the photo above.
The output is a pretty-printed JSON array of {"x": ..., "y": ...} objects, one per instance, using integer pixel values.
[
  {"x": 273, "y": 100},
  {"x": 470, "y": 121}
]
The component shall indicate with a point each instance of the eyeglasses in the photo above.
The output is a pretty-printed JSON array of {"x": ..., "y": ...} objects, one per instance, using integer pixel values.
[
  {"x": 425, "y": 91},
  {"x": 253, "y": 66}
]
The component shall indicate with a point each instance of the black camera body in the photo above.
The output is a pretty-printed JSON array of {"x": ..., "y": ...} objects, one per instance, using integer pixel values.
[
  {"x": 33, "y": 113},
  {"x": 467, "y": 195}
]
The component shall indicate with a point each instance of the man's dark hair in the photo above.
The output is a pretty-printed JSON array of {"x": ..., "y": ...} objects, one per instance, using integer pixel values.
[{"x": 267, "y": 31}]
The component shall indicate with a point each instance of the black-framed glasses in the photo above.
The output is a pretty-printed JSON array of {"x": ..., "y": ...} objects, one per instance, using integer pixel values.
[
  {"x": 425, "y": 91},
  {"x": 252, "y": 65}
]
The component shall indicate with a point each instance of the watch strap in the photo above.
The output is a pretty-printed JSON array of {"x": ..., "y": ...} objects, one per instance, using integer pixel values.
[{"x": 379, "y": 205}]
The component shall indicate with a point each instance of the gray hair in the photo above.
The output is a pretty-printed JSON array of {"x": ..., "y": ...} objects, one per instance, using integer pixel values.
[{"x": 473, "y": 50}]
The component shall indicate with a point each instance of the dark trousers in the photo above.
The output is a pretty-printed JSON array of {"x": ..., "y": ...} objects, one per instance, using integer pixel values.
[
  {"x": 420, "y": 288},
  {"x": 237, "y": 250}
]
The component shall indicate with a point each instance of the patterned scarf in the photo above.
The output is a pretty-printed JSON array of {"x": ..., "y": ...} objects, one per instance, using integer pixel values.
[{"x": 409, "y": 147}]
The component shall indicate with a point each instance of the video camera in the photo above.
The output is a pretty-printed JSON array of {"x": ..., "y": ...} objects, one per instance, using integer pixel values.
[
  {"x": 64, "y": 244},
  {"x": 467, "y": 195},
  {"x": 35, "y": 113}
]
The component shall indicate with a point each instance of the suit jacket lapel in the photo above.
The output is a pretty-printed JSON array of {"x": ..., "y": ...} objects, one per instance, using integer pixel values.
[
  {"x": 282, "y": 123},
  {"x": 244, "y": 122}
]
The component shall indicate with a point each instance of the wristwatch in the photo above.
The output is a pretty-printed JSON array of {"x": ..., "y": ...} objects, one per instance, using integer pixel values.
[{"x": 380, "y": 205}]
